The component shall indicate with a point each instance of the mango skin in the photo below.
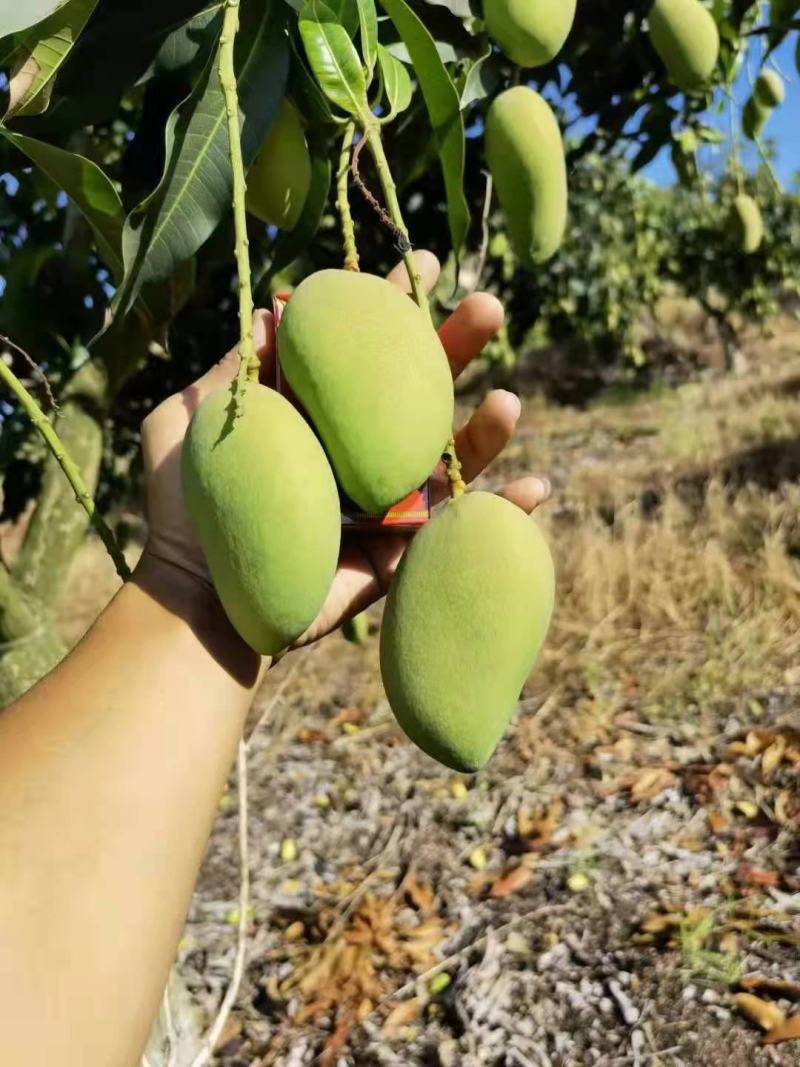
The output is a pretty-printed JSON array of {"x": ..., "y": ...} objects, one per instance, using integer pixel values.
[
  {"x": 530, "y": 32},
  {"x": 685, "y": 36},
  {"x": 754, "y": 118},
  {"x": 465, "y": 620},
  {"x": 371, "y": 372},
  {"x": 525, "y": 154},
  {"x": 769, "y": 90},
  {"x": 748, "y": 223},
  {"x": 280, "y": 177},
  {"x": 263, "y": 501}
]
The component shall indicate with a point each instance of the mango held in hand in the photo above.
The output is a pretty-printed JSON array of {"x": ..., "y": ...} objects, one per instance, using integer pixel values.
[
  {"x": 526, "y": 157},
  {"x": 465, "y": 619},
  {"x": 530, "y": 32},
  {"x": 685, "y": 36},
  {"x": 371, "y": 372},
  {"x": 263, "y": 501},
  {"x": 279, "y": 179},
  {"x": 748, "y": 223}
]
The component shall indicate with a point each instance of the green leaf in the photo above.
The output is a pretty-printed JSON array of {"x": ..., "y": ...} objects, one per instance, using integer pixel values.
[
  {"x": 47, "y": 48},
  {"x": 292, "y": 243},
  {"x": 184, "y": 47},
  {"x": 368, "y": 23},
  {"x": 89, "y": 188},
  {"x": 480, "y": 80},
  {"x": 333, "y": 58},
  {"x": 444, "y": 110},
  {"x": 195, "y": 191},
  {"x": 16, "y": 15},
  {"x": 306, "y": 93},
  {"x": 396, "y": 83}
]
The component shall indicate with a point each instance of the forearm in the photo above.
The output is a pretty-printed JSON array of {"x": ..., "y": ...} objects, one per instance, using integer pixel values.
[{"x": 110, "y": 775}]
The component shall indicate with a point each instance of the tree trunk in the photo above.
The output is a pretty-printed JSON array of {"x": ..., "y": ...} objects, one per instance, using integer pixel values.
[{"x": 30, "y": 644}]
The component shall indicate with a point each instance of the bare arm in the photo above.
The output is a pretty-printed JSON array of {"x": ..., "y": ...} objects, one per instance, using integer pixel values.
[{"x": 111, "y": 772}]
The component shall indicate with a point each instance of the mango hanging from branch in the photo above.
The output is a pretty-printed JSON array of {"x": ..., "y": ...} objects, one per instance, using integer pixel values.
[{"x": 525, "y": 154}]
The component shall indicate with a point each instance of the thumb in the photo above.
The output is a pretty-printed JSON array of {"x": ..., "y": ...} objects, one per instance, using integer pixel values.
[{"x": 222, "y": 373}]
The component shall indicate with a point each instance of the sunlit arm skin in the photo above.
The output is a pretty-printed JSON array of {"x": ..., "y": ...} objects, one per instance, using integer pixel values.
[{"x": 112, "y": 767}]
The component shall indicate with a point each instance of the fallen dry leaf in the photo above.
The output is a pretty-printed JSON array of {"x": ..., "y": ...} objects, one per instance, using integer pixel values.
[
  {"x": 759, "y": 1011},
  {"x": 651, "y": 782},
  {"x": 755, "y": 876},
  {"x": 773, "y": 756},
  {"x": 511, "y": 882},
  {"x": 787, "y": 1031},
  {"x": 781, "y": 987},
  {"x": 404, "y": 1014}
]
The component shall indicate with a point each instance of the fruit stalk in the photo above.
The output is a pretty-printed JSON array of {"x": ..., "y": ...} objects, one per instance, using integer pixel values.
[
  {"x": 343, "y": 203},
  {"x": 69, "y": 467},
  {"x": 373, "y": 136},
  {"x": 372, "y": 133},
  {"x": 248, "y": 360}
]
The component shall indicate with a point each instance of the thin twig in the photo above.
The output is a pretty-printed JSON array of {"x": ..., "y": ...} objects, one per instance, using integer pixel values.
[
  {"x": 169, "y": 1024},
  {"x": 37, "y": 371},
  {"x": 343, "y": 202},
  {"x": 248, "y": 360},
  {"x": 68, "y": 465},
  {"x": 767, "y": 163},
  {"x": 207, "y": 1051},
  {"x": 421, "y": 979},
  {"x": 401, "y": 240}
]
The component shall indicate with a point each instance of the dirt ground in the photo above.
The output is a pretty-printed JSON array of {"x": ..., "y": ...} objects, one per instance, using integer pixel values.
[{"x": 628, "y": 866}]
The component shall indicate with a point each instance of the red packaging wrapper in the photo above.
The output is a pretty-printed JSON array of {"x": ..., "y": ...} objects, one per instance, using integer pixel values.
[{"x": 408, "y": 514}]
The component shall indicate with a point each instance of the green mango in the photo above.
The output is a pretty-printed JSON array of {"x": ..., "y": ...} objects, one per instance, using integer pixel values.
[
  {"x": 525, "y": 154},
  {"x": 356, "y": 630},
  {"x": 530, "y": 32},
  {"x": 754, "y": 118},
  {"x": 373, "y": 376},
  {"x": 769, "y": 90},
  {"x": 263, "y": 501},
  {"x": 280, "y": 177},
  {"x": 465, "y": 619},
  {"x": 748, "y": 224},
  {"x": 685, "y": 36}
]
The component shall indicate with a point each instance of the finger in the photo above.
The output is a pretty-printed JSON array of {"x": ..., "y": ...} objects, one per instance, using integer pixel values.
[
  {"x": 469, "y": 329},
  {"x": 225, "y": 371},
  {"x": 487, "y": 433},
  {"x": 427, "y": 267},
  {"x": 527, "y": 493}
]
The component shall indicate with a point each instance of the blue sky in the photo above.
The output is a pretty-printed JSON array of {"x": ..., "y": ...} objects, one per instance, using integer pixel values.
[{"x": 783, "y": 128}]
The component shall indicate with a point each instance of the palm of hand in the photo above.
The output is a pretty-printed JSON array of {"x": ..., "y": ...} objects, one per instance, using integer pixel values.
[{"x": 367, "y": 561}]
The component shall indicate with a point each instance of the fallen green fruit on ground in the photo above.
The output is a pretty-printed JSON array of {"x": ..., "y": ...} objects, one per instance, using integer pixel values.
[
  {"x": 530, "y": 32},
  {"x": 465, "y": 619},
  {"x": 685, "y": 36},
  {"x": 371, "y": 372},
  {"x": 356, "y": 630},
  {"x": 754, "y": 118},
  {"x": 748, "y": 223},
  {"x": 525, "y": 154},
  {"x": 279, "y": 179},
  {"x": 263, "y": 501},
  {"x": 769, "y": 90}
]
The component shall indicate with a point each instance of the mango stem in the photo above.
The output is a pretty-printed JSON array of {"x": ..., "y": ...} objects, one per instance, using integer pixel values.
[
  {"x": 372, "y": 133},
  {"x": 342, "y": 201},
  {"x": 453, "y": 467},
  {"x": 248, "y": 360}
]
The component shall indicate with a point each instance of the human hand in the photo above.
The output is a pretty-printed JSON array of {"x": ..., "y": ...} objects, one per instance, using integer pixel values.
[{"x": 367, "y": 561}]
